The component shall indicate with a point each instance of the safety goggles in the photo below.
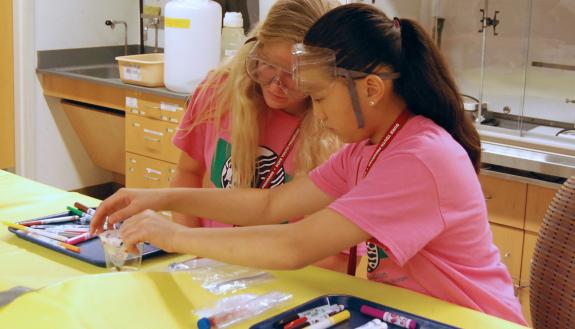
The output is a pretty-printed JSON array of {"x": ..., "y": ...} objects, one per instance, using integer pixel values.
[
  {"x": 315, "y": 70},
  {"x": 265, "y": 73}
]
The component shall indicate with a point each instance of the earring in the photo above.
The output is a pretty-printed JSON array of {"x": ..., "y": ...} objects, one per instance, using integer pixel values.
[{"x": 371, "y": 103}]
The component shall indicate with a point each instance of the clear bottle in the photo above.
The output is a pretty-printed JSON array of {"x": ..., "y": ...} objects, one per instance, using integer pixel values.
[
  {"x": 192, "y": 37},
  {"x": 232, "y": 34}
]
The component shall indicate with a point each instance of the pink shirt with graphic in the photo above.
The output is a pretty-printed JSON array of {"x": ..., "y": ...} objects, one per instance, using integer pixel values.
[
  {"x": 212, "y": 148},
  {"x": 423, "y": 206}
]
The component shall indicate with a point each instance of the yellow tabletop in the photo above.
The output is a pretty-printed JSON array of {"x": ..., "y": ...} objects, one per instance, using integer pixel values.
[{"x": 74, "y": 294}]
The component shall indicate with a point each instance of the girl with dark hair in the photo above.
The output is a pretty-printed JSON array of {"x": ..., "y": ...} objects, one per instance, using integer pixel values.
[{"x": 406, "y": 183}]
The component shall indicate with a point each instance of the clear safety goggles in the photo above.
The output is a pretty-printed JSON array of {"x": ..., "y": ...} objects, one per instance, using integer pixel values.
[
  {"x": 315, "y": 70},
  {"x": 263, "y": 72}
]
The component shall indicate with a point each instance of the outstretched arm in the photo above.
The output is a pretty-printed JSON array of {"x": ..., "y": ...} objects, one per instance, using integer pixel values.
[
  {"x": 282, "y": 247},
  {"x": 242, "y": 207}
]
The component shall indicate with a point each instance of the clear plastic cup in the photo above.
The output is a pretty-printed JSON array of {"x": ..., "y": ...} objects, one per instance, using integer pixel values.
[{"x": 118, "y": 259}]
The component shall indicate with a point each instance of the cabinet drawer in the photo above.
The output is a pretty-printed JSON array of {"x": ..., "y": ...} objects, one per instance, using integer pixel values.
[
  {"x": 505, "y": 200},
  {"x": 146, "y": 172},
  {"x": 538, "y": 199},
  {"x": 510, "y": 243},
  {"x": 151, "y": 138},
  {"x": 155, "y": 107}
]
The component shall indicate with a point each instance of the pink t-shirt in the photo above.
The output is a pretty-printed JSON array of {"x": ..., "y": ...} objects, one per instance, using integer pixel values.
[
  {"x": 423, "y": 206},
  {"x": 213, "y": 149}
]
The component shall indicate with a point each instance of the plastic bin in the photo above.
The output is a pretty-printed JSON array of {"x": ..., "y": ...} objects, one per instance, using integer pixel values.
[{"x": 143, "y": 70}]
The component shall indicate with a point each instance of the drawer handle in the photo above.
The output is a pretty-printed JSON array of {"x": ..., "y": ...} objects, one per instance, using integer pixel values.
[
  {"x": 148, "y": 177},
  {"x": 153, "y": 132},
  {"x": 507, "y": 255},
  {"x": 488, "y": 197},
  {"x": 153, "y": 171},
  {"x": 152, "y": 139}
]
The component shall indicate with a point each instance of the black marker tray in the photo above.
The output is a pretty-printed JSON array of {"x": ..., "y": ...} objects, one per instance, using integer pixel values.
[
  {"x": 352, "y": 304},
  {"x": 90, "y": 251}
]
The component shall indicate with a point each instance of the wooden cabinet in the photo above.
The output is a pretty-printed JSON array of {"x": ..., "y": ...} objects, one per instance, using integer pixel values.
[
  {"x": 516, "y": 208},
  {"x": 509, "y": 240},
  {"x": 151, "y": 122},
  {"x": 505, "y": 200},
  {"x": 89, "y": 124},
  {"x": 146, "y": 172}
]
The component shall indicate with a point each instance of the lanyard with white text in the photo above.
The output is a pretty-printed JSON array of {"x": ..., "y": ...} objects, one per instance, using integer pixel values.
[
  {"x": 383, "y": 143},
  {"x": 281, "y": 158}
]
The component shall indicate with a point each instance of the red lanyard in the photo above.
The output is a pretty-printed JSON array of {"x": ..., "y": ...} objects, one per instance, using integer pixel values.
[
  {"x": 281, "y": 159},
  {"x": 383, "y": 143},
  {"x": 389, "y": 135}
]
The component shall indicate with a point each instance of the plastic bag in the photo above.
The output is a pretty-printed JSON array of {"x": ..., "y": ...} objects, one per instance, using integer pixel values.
[
  {"x": 232, "y": 310},
  {"x": 221, "y": 278}
]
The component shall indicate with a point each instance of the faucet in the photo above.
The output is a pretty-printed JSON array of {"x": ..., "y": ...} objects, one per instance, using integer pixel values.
[
  {"x": 156, "y": 24},
  {"x": 476, "y": 110},
  {"x": 112, "y": 24}
]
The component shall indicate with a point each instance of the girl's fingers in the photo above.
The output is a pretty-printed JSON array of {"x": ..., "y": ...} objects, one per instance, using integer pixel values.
[{"x": 108, "y": 207}]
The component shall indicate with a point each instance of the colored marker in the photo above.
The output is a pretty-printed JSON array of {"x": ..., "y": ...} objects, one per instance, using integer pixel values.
[
  {"x": 59, "y": 230},
  {"x": 311, "y": 319},
  {"x": 314, "y": 312},
  {"x": 85, "y": 209},
  {"x": 331, "y": 321},
  {"x": 38, "y": 232},
  {"x": 373, "y": 324},
  {"x": 389, "y": 317},
  {"x": 84, "y": 217},
  {"x": 80, "y": 238},
  {"x": 63, "y": 227},
  {"x": 49, "y": 220},
  {"x": 42, "y": 238}
]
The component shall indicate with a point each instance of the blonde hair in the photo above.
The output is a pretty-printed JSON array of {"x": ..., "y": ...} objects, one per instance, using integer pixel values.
[{"x": 229, "y": 89}]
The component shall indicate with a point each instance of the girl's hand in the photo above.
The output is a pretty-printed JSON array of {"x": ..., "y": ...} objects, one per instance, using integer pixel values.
[
  {"x": 149, "y": 226},
  {"x": 124, "y": 204}
]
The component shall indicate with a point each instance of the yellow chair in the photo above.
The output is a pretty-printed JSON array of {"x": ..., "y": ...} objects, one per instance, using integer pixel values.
[{"x": 552, "y": 296}]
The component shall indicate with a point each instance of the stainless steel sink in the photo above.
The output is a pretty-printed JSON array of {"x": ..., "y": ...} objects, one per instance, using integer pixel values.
[{"x": 107, "y": 71}]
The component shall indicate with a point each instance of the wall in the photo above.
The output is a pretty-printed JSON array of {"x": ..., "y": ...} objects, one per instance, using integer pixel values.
[{"x": 47, "y": 147}]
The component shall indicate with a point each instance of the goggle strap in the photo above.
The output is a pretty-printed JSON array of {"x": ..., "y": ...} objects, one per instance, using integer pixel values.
[
  {"x": 359, "y": 75},
  {"x": 354, "y": 100}
]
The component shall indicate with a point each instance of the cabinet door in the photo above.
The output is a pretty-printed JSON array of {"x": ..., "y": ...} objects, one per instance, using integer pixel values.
[
  {"x": 505, "y": 200},
  {"x": 101, "y": 133},
  {"x": 7, "y": 137},
  {"x": 144, "y": 172},
  {"x": 538, "y": 199},
  {"x": 151, "y": 138},
  {"x": 509, "y": 240}
]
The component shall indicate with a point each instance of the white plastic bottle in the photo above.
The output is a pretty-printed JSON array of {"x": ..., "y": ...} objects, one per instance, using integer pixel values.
[
  {"x": 232, "y": 34},
  {"x": 192, "y": 41}
]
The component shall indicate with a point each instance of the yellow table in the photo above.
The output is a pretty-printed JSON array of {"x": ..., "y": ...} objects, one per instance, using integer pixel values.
[{"x": 74, "y": 294}]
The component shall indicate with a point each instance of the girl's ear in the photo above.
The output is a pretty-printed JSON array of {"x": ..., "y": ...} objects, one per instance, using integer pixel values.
[{"x": 375, "y": 88}]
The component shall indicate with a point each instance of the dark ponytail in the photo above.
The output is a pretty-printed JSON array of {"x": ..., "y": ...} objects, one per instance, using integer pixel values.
[
  {"x": 428, "y": 88},
  {"x": 365, "y": 39}
]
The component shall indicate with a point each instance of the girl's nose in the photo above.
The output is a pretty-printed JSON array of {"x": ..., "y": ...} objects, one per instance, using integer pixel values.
[{"x": 277, "y": 86}]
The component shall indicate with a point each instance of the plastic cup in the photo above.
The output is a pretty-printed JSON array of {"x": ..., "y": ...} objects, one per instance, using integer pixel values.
[{"x": 118, "y": 259}]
